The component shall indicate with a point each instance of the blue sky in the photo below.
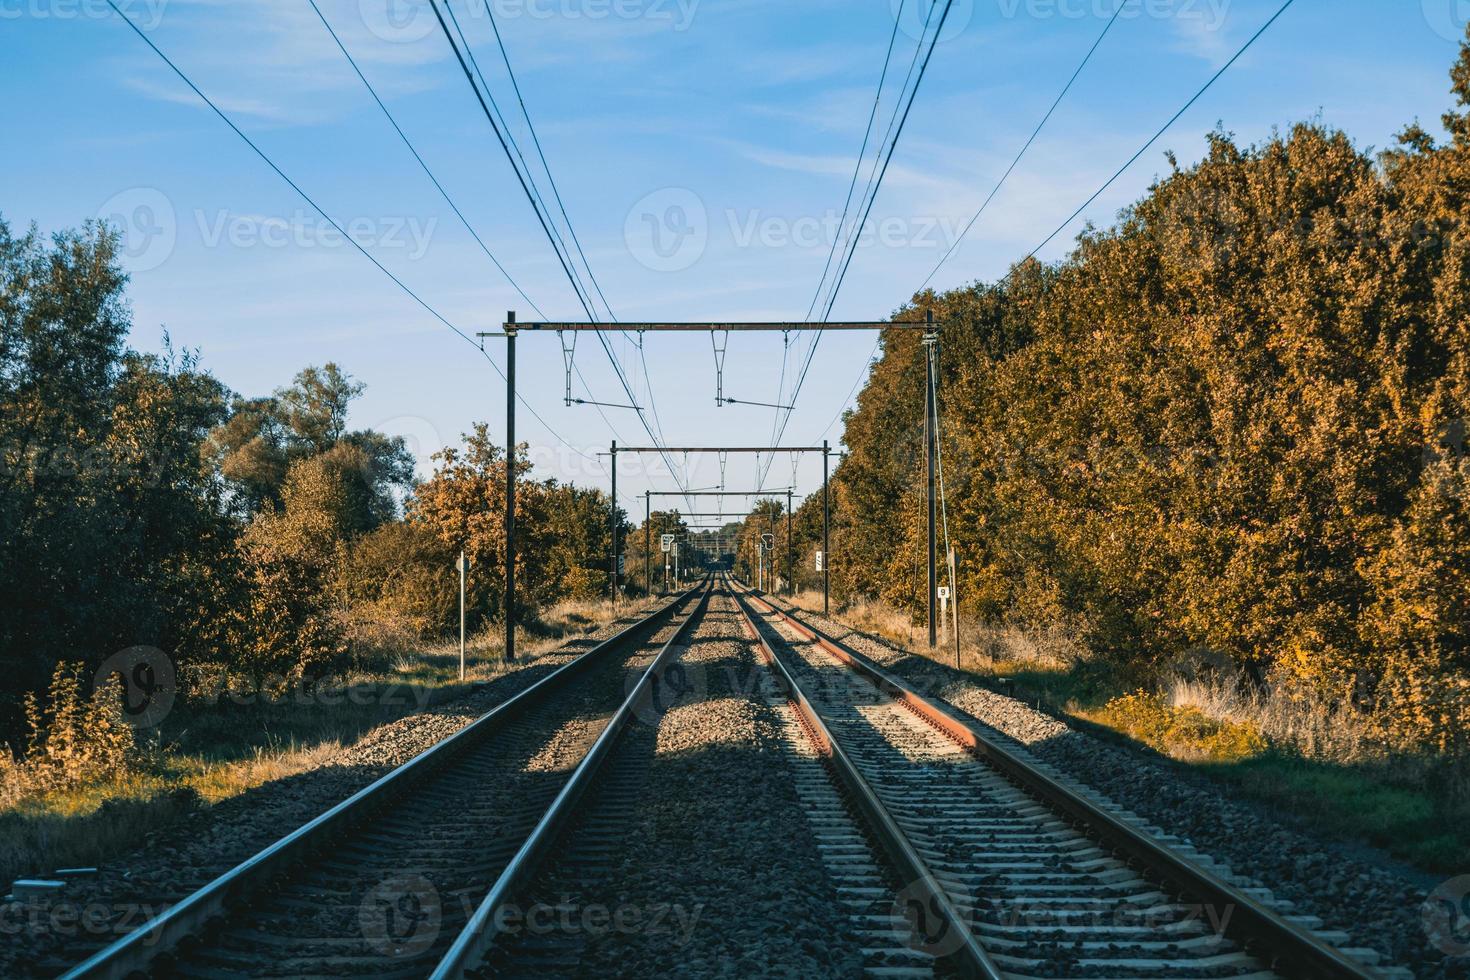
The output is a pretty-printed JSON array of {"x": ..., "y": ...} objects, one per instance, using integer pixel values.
[{"x": 739, "y": 121}]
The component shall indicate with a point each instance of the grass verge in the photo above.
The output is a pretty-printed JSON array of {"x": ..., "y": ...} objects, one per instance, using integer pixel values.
[
  {"x": 1314, "y": 763},
  {"x": 225, "y": 740}
]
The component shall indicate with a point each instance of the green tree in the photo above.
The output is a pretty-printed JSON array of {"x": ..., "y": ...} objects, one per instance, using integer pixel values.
[{"x": 107, "y": 518}]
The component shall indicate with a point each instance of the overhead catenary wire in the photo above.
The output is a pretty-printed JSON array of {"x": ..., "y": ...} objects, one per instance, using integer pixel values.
[
  {"x": 328, "y": 218},
  {"x": 877, "y": 184},
  {"x": 512, "y": 149},
  {"x": 852, "y": 240},
  {"x": 536, "y": 141},
  {"x": 1209, "y": 83},
  {"x": 858, "y": 164},
  {"x": 416, "y": 155},
  {"x": 501, "y": 135},
  {"x": 1107, "y": 28},
  {"x": 583, "y": 293},
  {"x": 1158, "y": 135},
  {"x": 561, "y": 206},
  {"x": 867, "y": 189}
]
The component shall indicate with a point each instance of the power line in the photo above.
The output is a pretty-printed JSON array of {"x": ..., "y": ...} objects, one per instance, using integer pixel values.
[
  {"x": 846, "y": 208},
  {"x": 858, "y": 165},
  {"x": 555, "y": 190},
  {"x": 325, "y": 216},
  {"x": 408, "y": 143},
  {"x": 1123, "y": 169},
  {"x": 501, "y": 138},
  {"x": 502, "y": 130},
  {"x": 1034, "y": 134},
  {"x": 532, "y": 198},
  {"x": 867, "y": 211},
  {"x": 536, "y": 141},
  {"x": 1156, "y": 136},
  {"x": 854, "y": 233}
]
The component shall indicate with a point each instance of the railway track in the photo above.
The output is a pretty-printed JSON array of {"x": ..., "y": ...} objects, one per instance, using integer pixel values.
[
  {"x": 1008, "y": 871},
  {"x": 382, "y": 883},
  {"x": 945, "y": 850}
]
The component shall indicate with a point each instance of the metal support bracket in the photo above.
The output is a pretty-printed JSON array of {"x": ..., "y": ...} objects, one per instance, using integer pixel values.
[{"x": 720, "y": 341}]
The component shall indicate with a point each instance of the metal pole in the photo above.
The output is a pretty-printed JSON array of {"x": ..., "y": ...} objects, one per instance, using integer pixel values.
[
  {"x": 510, "y": 486},
  {"x": 461, "y": 612},
  {"x": 826, "y": 542},
  {"x": 612, "y": 577},
  {"x": 647, "y": 544},
  {"x": 773, "y": 580},
  {"x": 954, "y": 594},
  {"x": 790, "y": 571},
  {"x": 930, "y": 445}
]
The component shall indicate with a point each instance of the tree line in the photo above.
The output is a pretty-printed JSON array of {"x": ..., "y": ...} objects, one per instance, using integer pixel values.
[
  {"x": 142, "y": 503},
  {"x": 1231, "y": 426}
]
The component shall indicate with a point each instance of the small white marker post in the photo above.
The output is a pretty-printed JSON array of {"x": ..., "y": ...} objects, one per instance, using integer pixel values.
[
  {"x": 463, "y": 565},
  {"x": 944, "y": 613}
]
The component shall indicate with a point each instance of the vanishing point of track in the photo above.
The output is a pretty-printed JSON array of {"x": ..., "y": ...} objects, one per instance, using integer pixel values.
[{"x": 948, "y": 850}]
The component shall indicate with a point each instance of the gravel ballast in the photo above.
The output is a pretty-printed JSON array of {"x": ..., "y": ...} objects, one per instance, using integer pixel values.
[
  {"x": 43, "y": 937},
  {"x": 715, "y": 837},
  {"x": 1379, "y": 904}
]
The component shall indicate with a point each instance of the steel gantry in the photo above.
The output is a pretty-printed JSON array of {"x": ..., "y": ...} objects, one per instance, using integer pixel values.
[
  {"x": 648, "y": 496},
  {"x": 788, "y": 492},
  {"x": 511, "y": 328}
]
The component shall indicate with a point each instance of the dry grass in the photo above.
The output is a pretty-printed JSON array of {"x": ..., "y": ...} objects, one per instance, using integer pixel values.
[
  {"x": 1316, "y": 759},
  {"x": 985, "y": 648},
  {"x": 1309, "y": 725},
  {"x": 227, "y": 740},
  {"x": 1183, "y": 732}
]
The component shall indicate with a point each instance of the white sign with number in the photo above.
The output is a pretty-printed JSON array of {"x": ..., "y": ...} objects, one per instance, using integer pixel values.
[{"x": 944, "y": 593}]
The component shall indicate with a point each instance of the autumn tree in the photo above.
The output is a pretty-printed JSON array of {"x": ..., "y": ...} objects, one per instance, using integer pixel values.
[{"x": 108, "y": 524}]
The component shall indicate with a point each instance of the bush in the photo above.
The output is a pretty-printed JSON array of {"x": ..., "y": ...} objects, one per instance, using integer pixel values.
[
  {"x": 1183, "y": 732},
  {"x": 72, "y": 741}
]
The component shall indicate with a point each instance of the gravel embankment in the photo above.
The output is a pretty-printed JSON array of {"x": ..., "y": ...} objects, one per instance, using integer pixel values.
[
  {"x": 721, "y": 836},
  {"x": 1379, "y": 904},
  {"x": 39, "y": 938}
]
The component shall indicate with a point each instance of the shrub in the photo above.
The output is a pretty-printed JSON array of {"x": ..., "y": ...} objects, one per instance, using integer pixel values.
[
  {"x": 1183, "y": 732},
  {"x": 74, "y": 740}
]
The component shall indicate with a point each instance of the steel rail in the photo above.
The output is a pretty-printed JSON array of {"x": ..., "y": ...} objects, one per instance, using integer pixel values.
[
  {"x": 1259, "y": 929},
  {"x": 133, "y": 953},
  {"x": 479, "y": 934},
  {"x": 969, "y": 958}
]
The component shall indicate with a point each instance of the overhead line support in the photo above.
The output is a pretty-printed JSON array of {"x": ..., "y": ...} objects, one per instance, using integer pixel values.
[
  {"x": 510, "y": 481},
  {"x": 931, "y": 445},
  {"x": 737, "y": 327}
]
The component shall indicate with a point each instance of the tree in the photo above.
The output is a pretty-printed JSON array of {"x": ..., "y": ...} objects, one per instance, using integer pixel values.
[
  {"x": 263, "y": 437},
  {"x": 108, "y": 525},
  {"x": 1235, "y": 420}
]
